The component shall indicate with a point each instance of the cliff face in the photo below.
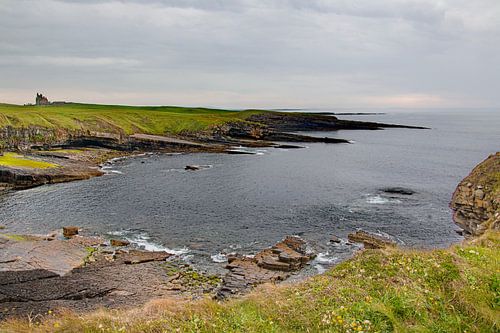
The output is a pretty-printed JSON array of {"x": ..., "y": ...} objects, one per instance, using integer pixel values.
[{"x": 476, "y": 200}]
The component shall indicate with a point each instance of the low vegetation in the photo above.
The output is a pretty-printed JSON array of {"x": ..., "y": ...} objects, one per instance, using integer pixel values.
[
  {"x": 393, "y": 290},
  {"x": 117, "y": 119},
  {"x": 14, "y": 160}
]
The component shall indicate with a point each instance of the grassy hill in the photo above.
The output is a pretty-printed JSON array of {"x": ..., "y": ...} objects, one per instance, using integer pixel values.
[
  {"x": 393, "y": 290},
  {"x": 114, "y": 118}
]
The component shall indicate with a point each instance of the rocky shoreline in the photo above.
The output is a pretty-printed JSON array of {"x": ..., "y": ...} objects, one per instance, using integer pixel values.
[
  {"x": 65, "y": 270},
  {"x": 78, "y": 155}
]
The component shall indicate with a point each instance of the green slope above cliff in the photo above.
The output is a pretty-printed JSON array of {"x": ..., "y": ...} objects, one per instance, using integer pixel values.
[{"x": 117, "y": 119}]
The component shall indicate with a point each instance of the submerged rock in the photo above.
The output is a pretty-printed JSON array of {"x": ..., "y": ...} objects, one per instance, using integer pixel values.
[
  {"x": 270, "y": 265},
  {"x": 335, "y": 239},
  {"x": 476, "y": 200},
  {"x": 398, "y": 190}
]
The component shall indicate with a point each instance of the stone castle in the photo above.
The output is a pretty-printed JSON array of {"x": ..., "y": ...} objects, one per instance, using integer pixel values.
[{"x": 41, "y": 100}]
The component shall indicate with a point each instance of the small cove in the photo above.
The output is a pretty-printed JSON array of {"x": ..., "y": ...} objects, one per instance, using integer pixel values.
[{"x": 244, "y": 203}]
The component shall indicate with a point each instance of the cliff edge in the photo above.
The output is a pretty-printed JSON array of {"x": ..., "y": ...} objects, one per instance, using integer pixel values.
[{"x": 476, "y": 200}]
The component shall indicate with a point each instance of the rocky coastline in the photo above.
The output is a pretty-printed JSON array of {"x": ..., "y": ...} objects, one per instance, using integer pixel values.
[{"x": 77, "y": 155}]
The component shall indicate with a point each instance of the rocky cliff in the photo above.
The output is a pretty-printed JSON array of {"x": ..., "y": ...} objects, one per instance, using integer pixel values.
[{"x": 476, "y": 200}]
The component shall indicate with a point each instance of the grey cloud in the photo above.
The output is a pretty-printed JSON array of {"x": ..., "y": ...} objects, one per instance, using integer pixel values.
[{"x": 256, "y": 53}]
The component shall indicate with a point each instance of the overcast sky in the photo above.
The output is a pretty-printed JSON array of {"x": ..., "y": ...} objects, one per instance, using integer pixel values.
[{"x": 253, "y": 53}]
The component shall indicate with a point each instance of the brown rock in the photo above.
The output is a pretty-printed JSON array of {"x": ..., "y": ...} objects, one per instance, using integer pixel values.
[
  {"x": 69, "y": 232},
  {"x": 269, "y": 265},
  {"x": 371, "y": 240},
  {"x": 479, "y": 194},
  {"x": 138, "y": 257},
  {"x": 119, "y": 242},
  {"x": 476, "y": 199}
]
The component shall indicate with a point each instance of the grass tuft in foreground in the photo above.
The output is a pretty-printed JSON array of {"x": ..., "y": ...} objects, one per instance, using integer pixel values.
[
  {"x": 395, "y": 290},
  {"x": 14, "y": 160}
]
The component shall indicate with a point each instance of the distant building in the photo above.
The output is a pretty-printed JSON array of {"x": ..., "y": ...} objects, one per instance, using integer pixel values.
[{"x": 41, "y": 100}]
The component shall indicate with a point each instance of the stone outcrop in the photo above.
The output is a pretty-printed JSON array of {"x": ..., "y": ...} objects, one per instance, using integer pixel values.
[
  {"x": 371, "y": 240},
  {"x": 291, "y": 122},
  {"x": 270, "y": 265},
  {"x": 476, "y": 200},
  {"x": 70, "y": 231},
  {"x": 17, "y": 178},
  {"x": 119, "y": 242}
]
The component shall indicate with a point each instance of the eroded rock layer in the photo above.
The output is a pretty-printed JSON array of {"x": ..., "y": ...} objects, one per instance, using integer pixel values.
[
  {"x": 476, "y": 200},
  {"x": 270, "y": 265}
]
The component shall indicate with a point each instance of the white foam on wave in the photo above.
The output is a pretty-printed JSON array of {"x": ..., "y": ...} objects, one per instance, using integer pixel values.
[
  {"x": 143, "y": 240},
  {"x": 325, "y": 258},
  {"x": 320, "y": 268},
  {"x": 219, "y": 258},
  {"x": 323, "y": 261},
  {"x": 113, "y": 171},
  {"x": 379, "y": 200}
]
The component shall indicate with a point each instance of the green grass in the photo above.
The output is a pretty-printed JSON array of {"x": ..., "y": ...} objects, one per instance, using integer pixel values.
[
  {"x": 14, "y": 160},
  {"x": 395, "y": 290},
  {"x": 118, "y": 119}
]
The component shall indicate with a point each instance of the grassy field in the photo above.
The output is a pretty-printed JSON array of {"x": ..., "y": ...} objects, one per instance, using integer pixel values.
[
  {"x": 114, "y": 118},
  {"x": 14, "y": 160},
  {"x": 395, "y": 290}
]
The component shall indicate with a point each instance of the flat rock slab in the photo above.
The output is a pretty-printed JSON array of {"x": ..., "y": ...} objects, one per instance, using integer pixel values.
[
  {"x": 25, "y": 254},
  {"x": 99, "y": 284},
  {"x": 38, "y": 275}
]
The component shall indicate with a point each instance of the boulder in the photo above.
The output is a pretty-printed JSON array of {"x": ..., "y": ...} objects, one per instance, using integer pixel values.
[
  {"x": 192, "y": 167},
  {"x": 119, "y": 242},
  {"x": 69, "y": 232}
]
